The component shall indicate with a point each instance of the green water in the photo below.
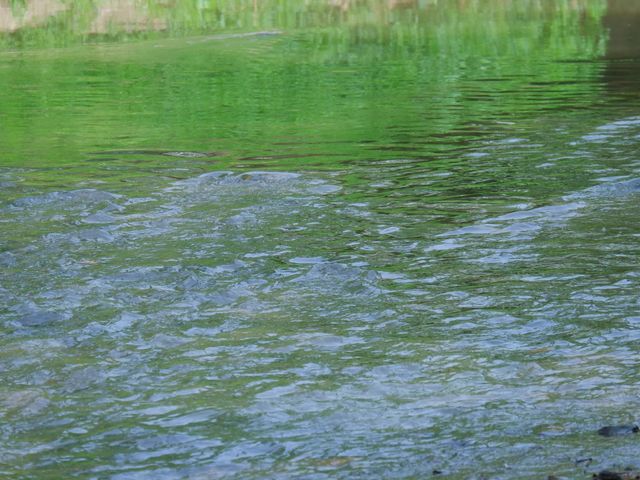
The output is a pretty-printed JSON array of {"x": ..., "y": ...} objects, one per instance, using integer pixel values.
[{"x": 318, "y": 240}]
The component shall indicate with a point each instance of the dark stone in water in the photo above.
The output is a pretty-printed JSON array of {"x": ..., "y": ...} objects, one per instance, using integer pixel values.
[
  {"x": 618, "y": 430},
  {"x": 607, "y": 475},
  {"x": 611, "y": 475}
]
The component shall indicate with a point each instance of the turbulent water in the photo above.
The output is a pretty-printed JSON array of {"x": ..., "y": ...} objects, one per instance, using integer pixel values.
[{"x": 338, "y": 262}]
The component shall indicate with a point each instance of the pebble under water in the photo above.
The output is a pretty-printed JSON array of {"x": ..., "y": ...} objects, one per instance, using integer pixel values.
[{"x": 469, "y": 311}]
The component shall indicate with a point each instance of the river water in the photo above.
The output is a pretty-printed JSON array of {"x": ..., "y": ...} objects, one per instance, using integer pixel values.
[{"x": 363, "y": 240}]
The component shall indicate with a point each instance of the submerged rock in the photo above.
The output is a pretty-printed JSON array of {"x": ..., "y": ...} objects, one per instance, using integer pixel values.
[
  {"x": 82, "y": 379},
  {"x": 99, "y": 217},
  {"x": 25, "y": 402},
  {"x": 38, "y": 318},
  {"x": 618, "y": 430},
  {"x": 611, "y": 475},
  {"x": 7, "y": 259}
]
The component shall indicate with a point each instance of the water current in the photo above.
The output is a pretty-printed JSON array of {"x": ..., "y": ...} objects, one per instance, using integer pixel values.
[{"x": 323, "y": 254}]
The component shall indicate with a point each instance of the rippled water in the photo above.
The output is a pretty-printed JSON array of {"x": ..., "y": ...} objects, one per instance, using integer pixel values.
[{"x": 324, "y": 254}]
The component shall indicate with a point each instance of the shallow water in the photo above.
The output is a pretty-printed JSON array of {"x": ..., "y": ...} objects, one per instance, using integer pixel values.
[{"x": 372, "y": 245}]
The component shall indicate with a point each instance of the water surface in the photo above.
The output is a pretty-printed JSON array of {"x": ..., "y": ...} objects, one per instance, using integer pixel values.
[{"x": 345, "y": 240}]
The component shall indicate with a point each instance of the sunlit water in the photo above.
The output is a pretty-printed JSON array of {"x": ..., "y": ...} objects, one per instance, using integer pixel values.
[{"x": 289, "y": 256}]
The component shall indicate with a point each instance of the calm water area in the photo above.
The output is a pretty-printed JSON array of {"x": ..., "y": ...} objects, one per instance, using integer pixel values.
[{"x": 330, "y": 239}]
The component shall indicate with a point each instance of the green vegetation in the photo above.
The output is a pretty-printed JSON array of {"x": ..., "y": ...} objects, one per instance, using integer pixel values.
[{"x": 66, "y": 22}]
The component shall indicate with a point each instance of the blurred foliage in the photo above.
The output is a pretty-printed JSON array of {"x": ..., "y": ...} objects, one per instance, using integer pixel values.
[{"x": 65, "y": 22}]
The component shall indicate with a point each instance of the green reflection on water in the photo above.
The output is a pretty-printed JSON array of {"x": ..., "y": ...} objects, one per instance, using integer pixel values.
[{"x": 338, "y": 82}]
